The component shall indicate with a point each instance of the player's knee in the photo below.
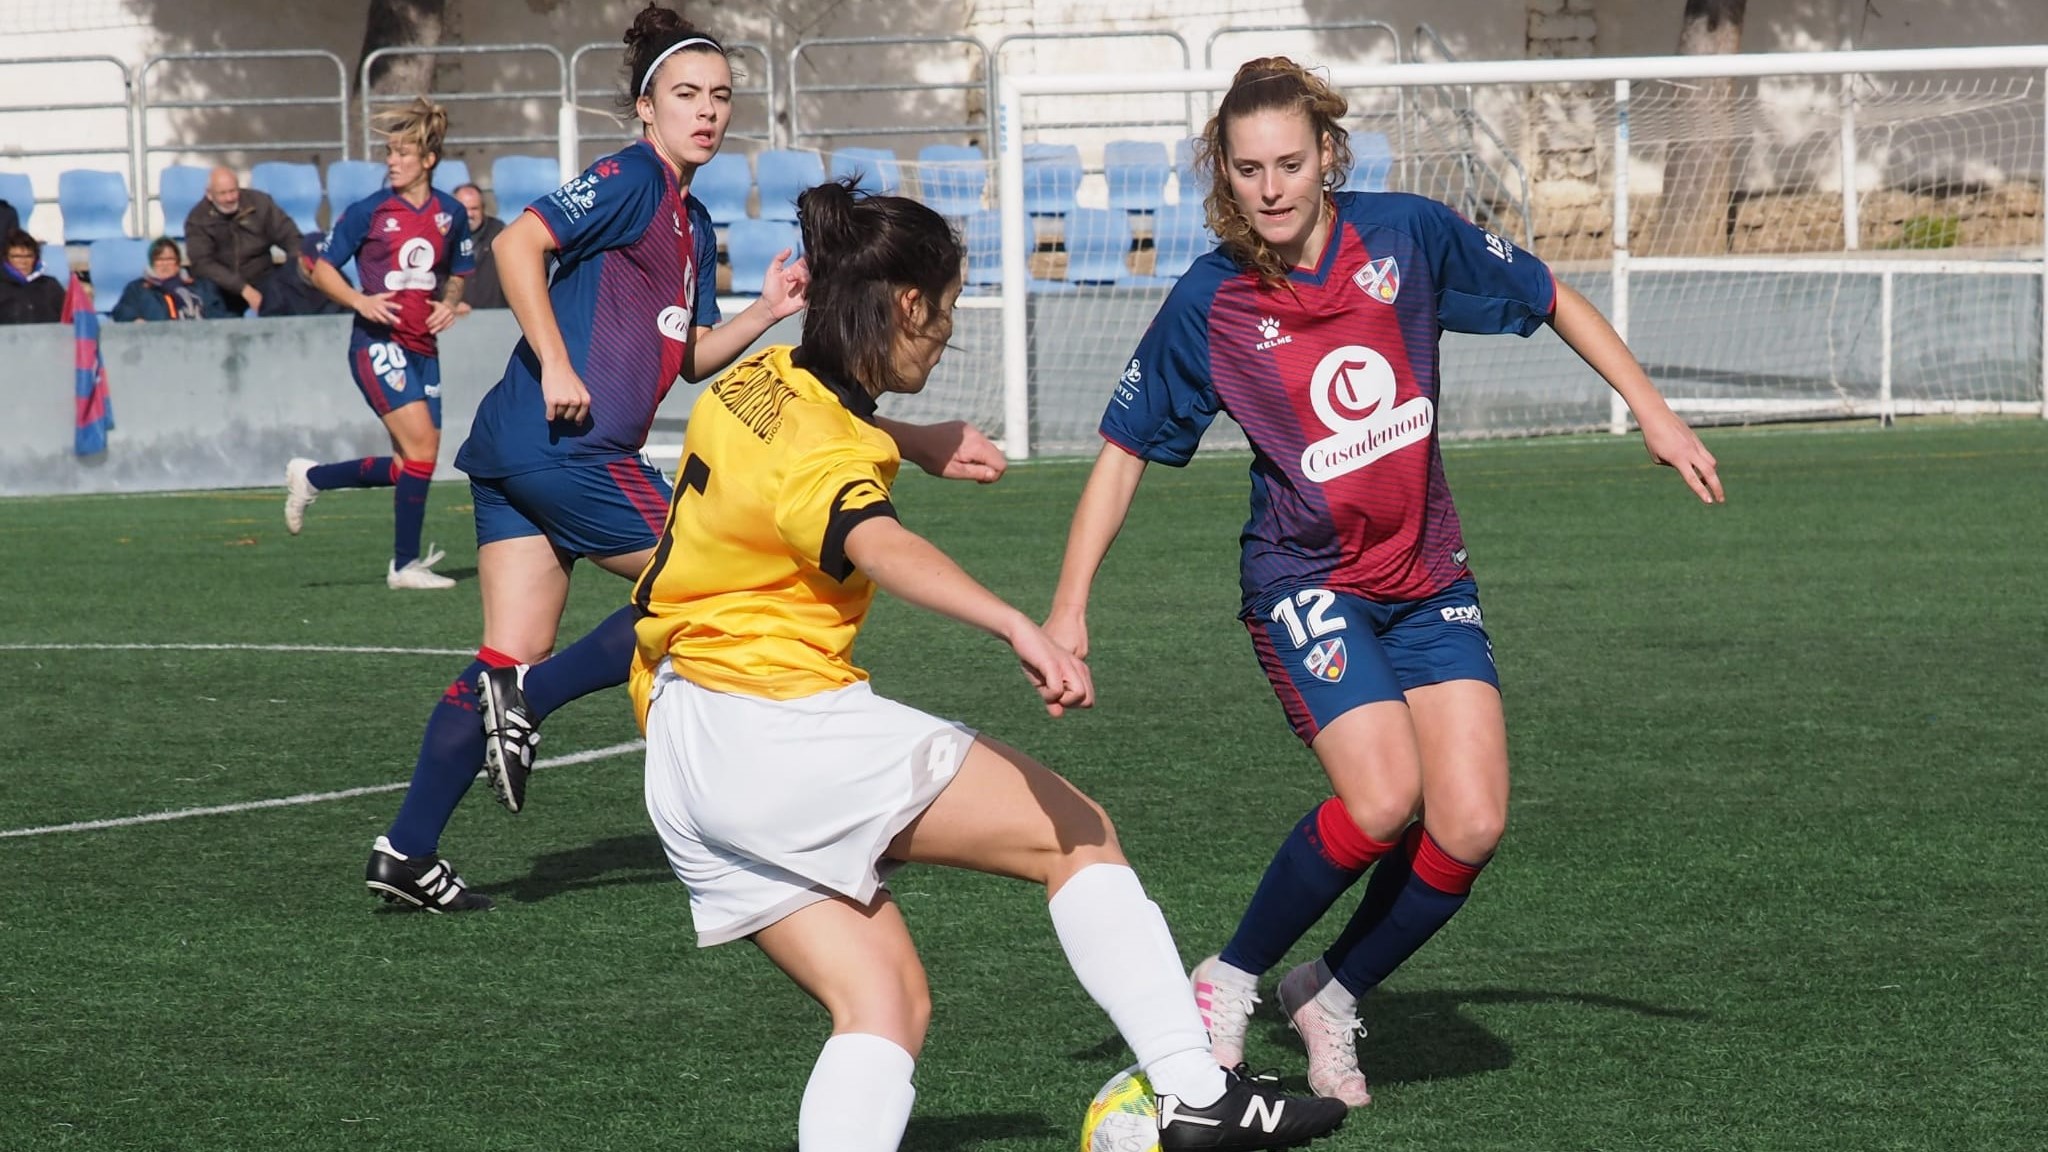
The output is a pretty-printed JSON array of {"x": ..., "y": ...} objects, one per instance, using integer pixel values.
[
  {"x": 1382, "y": 814},
  {"x": 1471, "y": 834}
]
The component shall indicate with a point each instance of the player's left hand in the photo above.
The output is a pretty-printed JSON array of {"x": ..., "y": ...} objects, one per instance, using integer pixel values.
[
  {"x": 957, "y": 450},
  {"x": 439, "y": 317},
  {"x": 1675, "y": 445},
  {"x": 1061, "y": 678},
  {"x": 785, "y": 289}
]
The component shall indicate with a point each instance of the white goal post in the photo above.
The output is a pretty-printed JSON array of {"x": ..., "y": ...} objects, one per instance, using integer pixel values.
[{"x": 1883, "y": 252}]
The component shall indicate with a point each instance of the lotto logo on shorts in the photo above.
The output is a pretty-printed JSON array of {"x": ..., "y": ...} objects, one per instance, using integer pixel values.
[
  {"x": 1461, "y": 614},
  {"x": 1325, "y": 661}
]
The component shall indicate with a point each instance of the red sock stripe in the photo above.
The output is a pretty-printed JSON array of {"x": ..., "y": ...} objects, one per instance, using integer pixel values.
[
  {"x": 494, "y": 658},
  {"x": 1442, "y": 871},
  {"x": 419, "y": 469},
  {"x": 1343, "y": 843}
]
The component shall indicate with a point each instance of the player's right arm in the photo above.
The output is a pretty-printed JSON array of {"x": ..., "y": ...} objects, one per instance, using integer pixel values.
[
  {"x": 1158, "y": 409},
  {"x": 339, "y": 247},
  {"x": 522, "y": 254},
  {"x": 913, "y": 569},
  {"x": 1100, "y": 515}
]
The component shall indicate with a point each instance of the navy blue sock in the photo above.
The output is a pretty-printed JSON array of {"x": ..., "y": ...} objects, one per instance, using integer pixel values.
[
  {"x": 602, "y": 659},
  {"x": 409, "y": 510},
  {"x": 451, "y": 754},
  {"x": 1437, "y": 887},
  {"x": 1324, "y": 855},
  {"x": 369, "y": 472},
  {"x": 1389, "y": 876}
]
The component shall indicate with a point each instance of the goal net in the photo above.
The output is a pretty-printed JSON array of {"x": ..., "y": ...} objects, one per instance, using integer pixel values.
[{"x": 1812, "y": 244}]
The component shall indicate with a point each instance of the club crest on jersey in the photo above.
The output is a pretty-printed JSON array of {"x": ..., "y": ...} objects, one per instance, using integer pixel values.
[
  {"x": 1325, "y": 661},
  {"x": 1379, "y": 279},
  {"x": 442, "y": 220},
  {"x": 1353, "y": 392}
]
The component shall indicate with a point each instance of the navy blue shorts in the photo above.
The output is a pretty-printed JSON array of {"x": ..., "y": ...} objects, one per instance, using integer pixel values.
[
  {"x": 391, "y": 377},
  {"x": 1328, "y": 652},
  {"x": 600, "y": 508}
]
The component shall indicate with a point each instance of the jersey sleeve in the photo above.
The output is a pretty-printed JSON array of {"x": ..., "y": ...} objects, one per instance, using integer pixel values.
[
  {"x": 704, "y": 232},
  {"x": 1165, "y": 399},
  {"x": 827, "y": 491},
  {"x": 1485, "y": 284},
  {"x": 461, "y": 243},
  {"x": 339, "y": 246},
  {"x": 609, "y": 206}
]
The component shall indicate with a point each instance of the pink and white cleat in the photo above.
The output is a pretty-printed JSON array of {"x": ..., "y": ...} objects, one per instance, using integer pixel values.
[
  {"x": 1225, "y": 998},
  {"x": 1331, "y": 1040}
]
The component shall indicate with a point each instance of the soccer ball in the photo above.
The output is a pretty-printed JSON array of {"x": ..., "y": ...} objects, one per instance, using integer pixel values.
[{"x": 1123, "y": 1117}]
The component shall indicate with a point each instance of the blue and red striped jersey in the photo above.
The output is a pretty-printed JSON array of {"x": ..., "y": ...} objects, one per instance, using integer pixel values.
[
  {"x": 638, "y": 271},
  {"x": 1334, "y": 380},
  {"x": 400, "y": 249}
]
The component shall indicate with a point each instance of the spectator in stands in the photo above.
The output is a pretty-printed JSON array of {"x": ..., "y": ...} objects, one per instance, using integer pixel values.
[
  {"x": 229, "y": 236},
  {"x": 28, "y": 295},
  {"x": 166, "y": 292},
  {"x": 295, "y": 294},
  {"x": 483, "y": 291},
  {"x": 10, "y": 218}
]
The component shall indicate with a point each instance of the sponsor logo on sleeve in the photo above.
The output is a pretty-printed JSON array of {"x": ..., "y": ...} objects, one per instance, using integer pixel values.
[
  {"x": 1499, "y": 246},
  {"x": 579, "y": 196}
]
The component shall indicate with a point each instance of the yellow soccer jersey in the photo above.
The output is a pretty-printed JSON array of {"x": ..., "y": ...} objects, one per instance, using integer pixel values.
[{"x": 750, "y": 590}]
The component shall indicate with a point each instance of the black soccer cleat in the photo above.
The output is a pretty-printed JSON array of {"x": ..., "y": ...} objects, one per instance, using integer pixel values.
[
  {"x": 1252, "y": 1113},
  {"x": 427, "y": 882},
  {"x": 511, "y": 734}
]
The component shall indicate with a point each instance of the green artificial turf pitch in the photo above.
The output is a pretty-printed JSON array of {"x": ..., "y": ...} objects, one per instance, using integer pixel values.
[{"x": 1772, "y": 877}]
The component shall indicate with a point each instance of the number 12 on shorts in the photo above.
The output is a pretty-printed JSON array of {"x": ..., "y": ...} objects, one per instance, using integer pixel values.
[{"x": 1311, "y": 622}]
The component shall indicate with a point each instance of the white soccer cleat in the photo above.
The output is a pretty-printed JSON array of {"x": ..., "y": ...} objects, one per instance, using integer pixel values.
[
  {"x": 1331, "y": 1040},
  {"x": 299, "y": 493},
  {"x": 416, "y": 574},
  {"x": 1225, "y": 1001}
]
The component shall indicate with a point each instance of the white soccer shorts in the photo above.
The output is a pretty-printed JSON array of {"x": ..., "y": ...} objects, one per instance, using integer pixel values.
[{"x": 767, "y": 806}]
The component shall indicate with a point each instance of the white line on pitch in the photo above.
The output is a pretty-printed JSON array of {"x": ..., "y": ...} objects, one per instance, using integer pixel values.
[
  {"x": 345, "y": 648},
  {"x": 583, "y": 757}
]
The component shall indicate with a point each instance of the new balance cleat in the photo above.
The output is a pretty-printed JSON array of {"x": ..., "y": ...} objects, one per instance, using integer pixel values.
[
  {"x": 299, "y": 493},
  {"x": 1252, "y": 1113},
  {"x": 427, "y": 882},
  {"x": 1332, "y": 1040},
  {"x": 511, "y": 734},
  {"x": 1226, "y": 1005}
]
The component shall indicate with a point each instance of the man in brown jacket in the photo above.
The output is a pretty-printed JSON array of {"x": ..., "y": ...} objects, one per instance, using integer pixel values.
[{"x": 229, "y": 235}]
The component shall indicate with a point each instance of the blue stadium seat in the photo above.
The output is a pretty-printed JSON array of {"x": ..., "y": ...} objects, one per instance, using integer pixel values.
[
  {"x": 722, "y": 185},
  {"x": 951, "y": 179},
  {"x": 56, "y": 259},
  {"x": 1052, "y": 174},
  {"x": 94, "y": 204},
  {"x": 1180, "y": 234},
  {"x": 452, "y": 174},
  {"x": 751, "y": 245},
  {"x": 984, "y": 236},
  {"x": 1097, "y": 240},
  {"x": 115, "y": 262},
  {"x": 349, "y": 181},
  {"x": 18, "y": 190},
  {"x": 517, "y": 181},
  {"x": 1372, "y": 157},
  {"x": 781, "y": 174},
  {"x": 1192, "y": 186},
  {"x": 1136, "y": 171},
  {"x": 877, "y": 168},
  {"x": 179, "y": 189},
  {"x": 295, "y": 187}
]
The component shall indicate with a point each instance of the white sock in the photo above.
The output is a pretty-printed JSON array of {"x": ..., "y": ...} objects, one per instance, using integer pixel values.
[
  {"x": 859, "y": 1096},
  {"x": 1334, "y": 998},
  {"x": 1224, "y": 972},
  {"x": 1123, "y": 953}
]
